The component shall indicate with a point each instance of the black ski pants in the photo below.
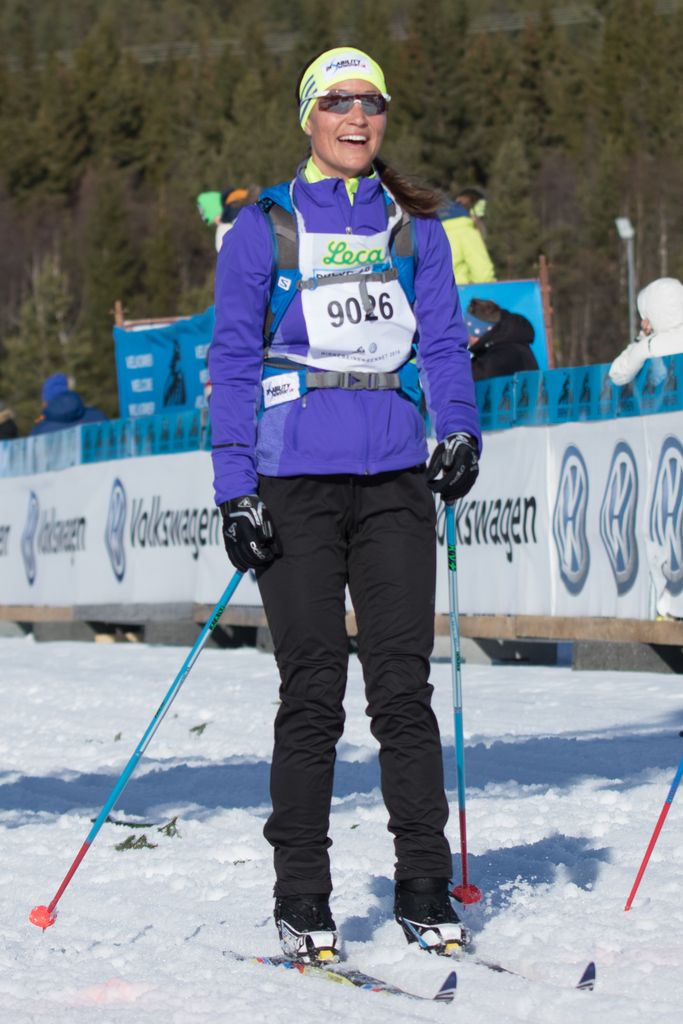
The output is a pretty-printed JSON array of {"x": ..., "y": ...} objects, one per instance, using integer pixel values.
[{"x": 376, "y": 533}]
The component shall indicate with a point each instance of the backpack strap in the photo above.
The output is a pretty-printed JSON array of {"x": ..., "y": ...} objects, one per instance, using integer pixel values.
[
  {"x": 276, "y": 206},
  {"x": 284, "y": 228},
  {"x": 403, "y": 249}
]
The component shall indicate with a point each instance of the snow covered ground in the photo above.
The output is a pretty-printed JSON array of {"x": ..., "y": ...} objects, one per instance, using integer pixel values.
[{"x": 567, "y": 773}]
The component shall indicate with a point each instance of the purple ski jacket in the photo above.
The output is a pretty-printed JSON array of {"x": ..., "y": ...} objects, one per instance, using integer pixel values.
[{"x": 329, "y": 430}]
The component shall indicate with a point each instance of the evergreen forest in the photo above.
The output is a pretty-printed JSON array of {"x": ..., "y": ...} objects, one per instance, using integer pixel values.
[{"x": 115, "y": 114}]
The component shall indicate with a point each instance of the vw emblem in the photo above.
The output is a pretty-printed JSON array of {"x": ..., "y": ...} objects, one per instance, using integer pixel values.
[
  {"x": 28, "y": 537},
  {"x": 618, "y": 517},
  {"x": 666, "y": 513},
  {"x": 569, "y": 521},
  {"x": 114, "y": 531}
]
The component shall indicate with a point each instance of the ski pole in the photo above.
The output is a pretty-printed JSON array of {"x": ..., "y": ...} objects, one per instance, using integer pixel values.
[
  {"x": 465, "y": 892},
  {"x": 655, "y": 835},
  {"x": 42, "y": 916}
]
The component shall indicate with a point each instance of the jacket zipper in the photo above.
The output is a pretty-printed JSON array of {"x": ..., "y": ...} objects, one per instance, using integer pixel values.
[{"x": 366, "y": 471}]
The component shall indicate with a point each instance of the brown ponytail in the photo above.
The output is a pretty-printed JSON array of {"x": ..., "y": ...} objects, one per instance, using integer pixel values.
[{"x": 420, "y": 200}]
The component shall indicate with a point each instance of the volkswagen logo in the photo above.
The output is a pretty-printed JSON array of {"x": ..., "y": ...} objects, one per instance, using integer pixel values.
[
  {"x": 28, "y": 537},
  {"x": 666, "y": 513},
  {"x": 618, "y": 517},
  {"x": 569, "y": 521},
  {"x": 114, "y": 532}
]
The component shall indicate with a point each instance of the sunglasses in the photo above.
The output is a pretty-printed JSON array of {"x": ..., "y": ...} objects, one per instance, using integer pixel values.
[{"x": 371, "y": 103}]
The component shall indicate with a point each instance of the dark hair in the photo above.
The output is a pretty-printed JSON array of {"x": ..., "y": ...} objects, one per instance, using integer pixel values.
[
  {"x": 469, "y": 197},
  {"x": 412, "y": 196},
  {"x": 485, "y": 309}
]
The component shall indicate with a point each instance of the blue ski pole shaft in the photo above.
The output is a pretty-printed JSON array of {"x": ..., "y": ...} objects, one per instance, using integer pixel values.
[
  {"x": 171, "y": 695},
  {"x": 465, "y": 892},
  {"x": 44, "y": 915}
]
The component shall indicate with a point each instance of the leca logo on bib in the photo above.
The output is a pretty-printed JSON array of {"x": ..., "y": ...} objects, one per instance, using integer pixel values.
[{"x": 341, "y": 254}]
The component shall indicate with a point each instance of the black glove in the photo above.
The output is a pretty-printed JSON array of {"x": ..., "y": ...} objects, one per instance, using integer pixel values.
[
  {"x": 249, "y": 533},
  {"x": 457, "y": 460}
]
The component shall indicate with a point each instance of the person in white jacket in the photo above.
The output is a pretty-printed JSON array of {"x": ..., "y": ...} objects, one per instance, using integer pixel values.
[{"x": 660, "y": 305}]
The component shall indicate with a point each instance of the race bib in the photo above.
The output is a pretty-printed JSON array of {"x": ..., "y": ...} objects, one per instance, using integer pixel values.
[{"x": 357, "y": 315}]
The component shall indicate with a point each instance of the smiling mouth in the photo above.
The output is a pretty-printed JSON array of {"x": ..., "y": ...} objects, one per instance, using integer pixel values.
[{"x": 354, "y": 140}]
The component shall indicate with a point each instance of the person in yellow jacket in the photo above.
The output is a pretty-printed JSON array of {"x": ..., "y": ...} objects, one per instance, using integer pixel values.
[{"x": 471, "y": 261}]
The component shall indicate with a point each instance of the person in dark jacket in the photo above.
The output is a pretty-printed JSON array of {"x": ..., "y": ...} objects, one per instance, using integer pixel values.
[
  {"x": 8, "y": 425},
  {"x": 319, "y": 470},
  {"x": 502, "y": 348},
  {"x": 63, "y": 407}
]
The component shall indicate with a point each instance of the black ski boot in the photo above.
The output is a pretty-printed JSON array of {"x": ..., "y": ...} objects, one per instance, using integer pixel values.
[
  {"x": 423, "y": 908},
  {"x": 306, "y": 928}
]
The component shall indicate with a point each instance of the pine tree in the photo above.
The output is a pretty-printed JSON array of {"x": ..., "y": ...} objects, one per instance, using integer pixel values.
[
  {"x": 638, "y": 103},
  {"x": 110, "y": 270},
  {"x": 514, "y": 231},
  {"x": 63, "y": 127},
  {"x": 316, "y": 33},
  {"x": 42, "y": 344},
  {"x": 158, "y": 140},
  {"x": 487, "y": 103},
  {"x": 21, "y": 156},
  {"x": 161, "y": 265},
  {"x": 427, "y": 84},
  {"x": 531, "y": 98},
  {"x": 597, "y": 337},
  {"x": 109, "y": 91}
]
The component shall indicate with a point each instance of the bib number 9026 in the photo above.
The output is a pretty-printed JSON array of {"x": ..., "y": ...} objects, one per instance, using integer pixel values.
[{"x": 351, "y": 311}]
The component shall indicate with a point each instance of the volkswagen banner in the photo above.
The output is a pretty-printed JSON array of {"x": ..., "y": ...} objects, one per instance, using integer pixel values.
[{"x": 576, "y": 519}]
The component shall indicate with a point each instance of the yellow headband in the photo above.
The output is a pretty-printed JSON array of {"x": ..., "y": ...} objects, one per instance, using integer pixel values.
[{"x": 336, "y": 66}]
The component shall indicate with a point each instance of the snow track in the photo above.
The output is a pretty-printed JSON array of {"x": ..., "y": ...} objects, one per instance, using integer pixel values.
[{"x": 566, "y": 775}]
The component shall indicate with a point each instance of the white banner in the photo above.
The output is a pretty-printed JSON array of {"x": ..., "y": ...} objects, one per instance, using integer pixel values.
[
  {"x": 582, "y": 519},
  {"x": 138, "y": 531},
  {"x": 502, "y": 530}
]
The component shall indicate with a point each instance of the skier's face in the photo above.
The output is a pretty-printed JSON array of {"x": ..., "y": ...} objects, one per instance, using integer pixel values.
[{"x": 344, "y": 145}]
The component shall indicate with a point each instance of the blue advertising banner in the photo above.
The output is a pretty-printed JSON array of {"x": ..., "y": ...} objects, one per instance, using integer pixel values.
[
  {"x": 160, "y": 368},
  {"x": 578, "y": 393},
  {"x": 522, "y": 297}
]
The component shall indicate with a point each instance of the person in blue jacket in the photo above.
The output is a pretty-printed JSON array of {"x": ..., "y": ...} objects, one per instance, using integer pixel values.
[
  {"x": 319, "y": 456},
  {"x": 63, "y": 407}
]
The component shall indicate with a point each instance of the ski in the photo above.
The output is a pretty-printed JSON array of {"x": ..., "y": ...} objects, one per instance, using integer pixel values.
[
  {"x": 586, "y": 981},
  {"x": 344, "y": 975}
]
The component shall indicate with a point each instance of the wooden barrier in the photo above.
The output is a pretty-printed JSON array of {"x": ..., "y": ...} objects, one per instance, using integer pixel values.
[{"x": 488, "y": 627}]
